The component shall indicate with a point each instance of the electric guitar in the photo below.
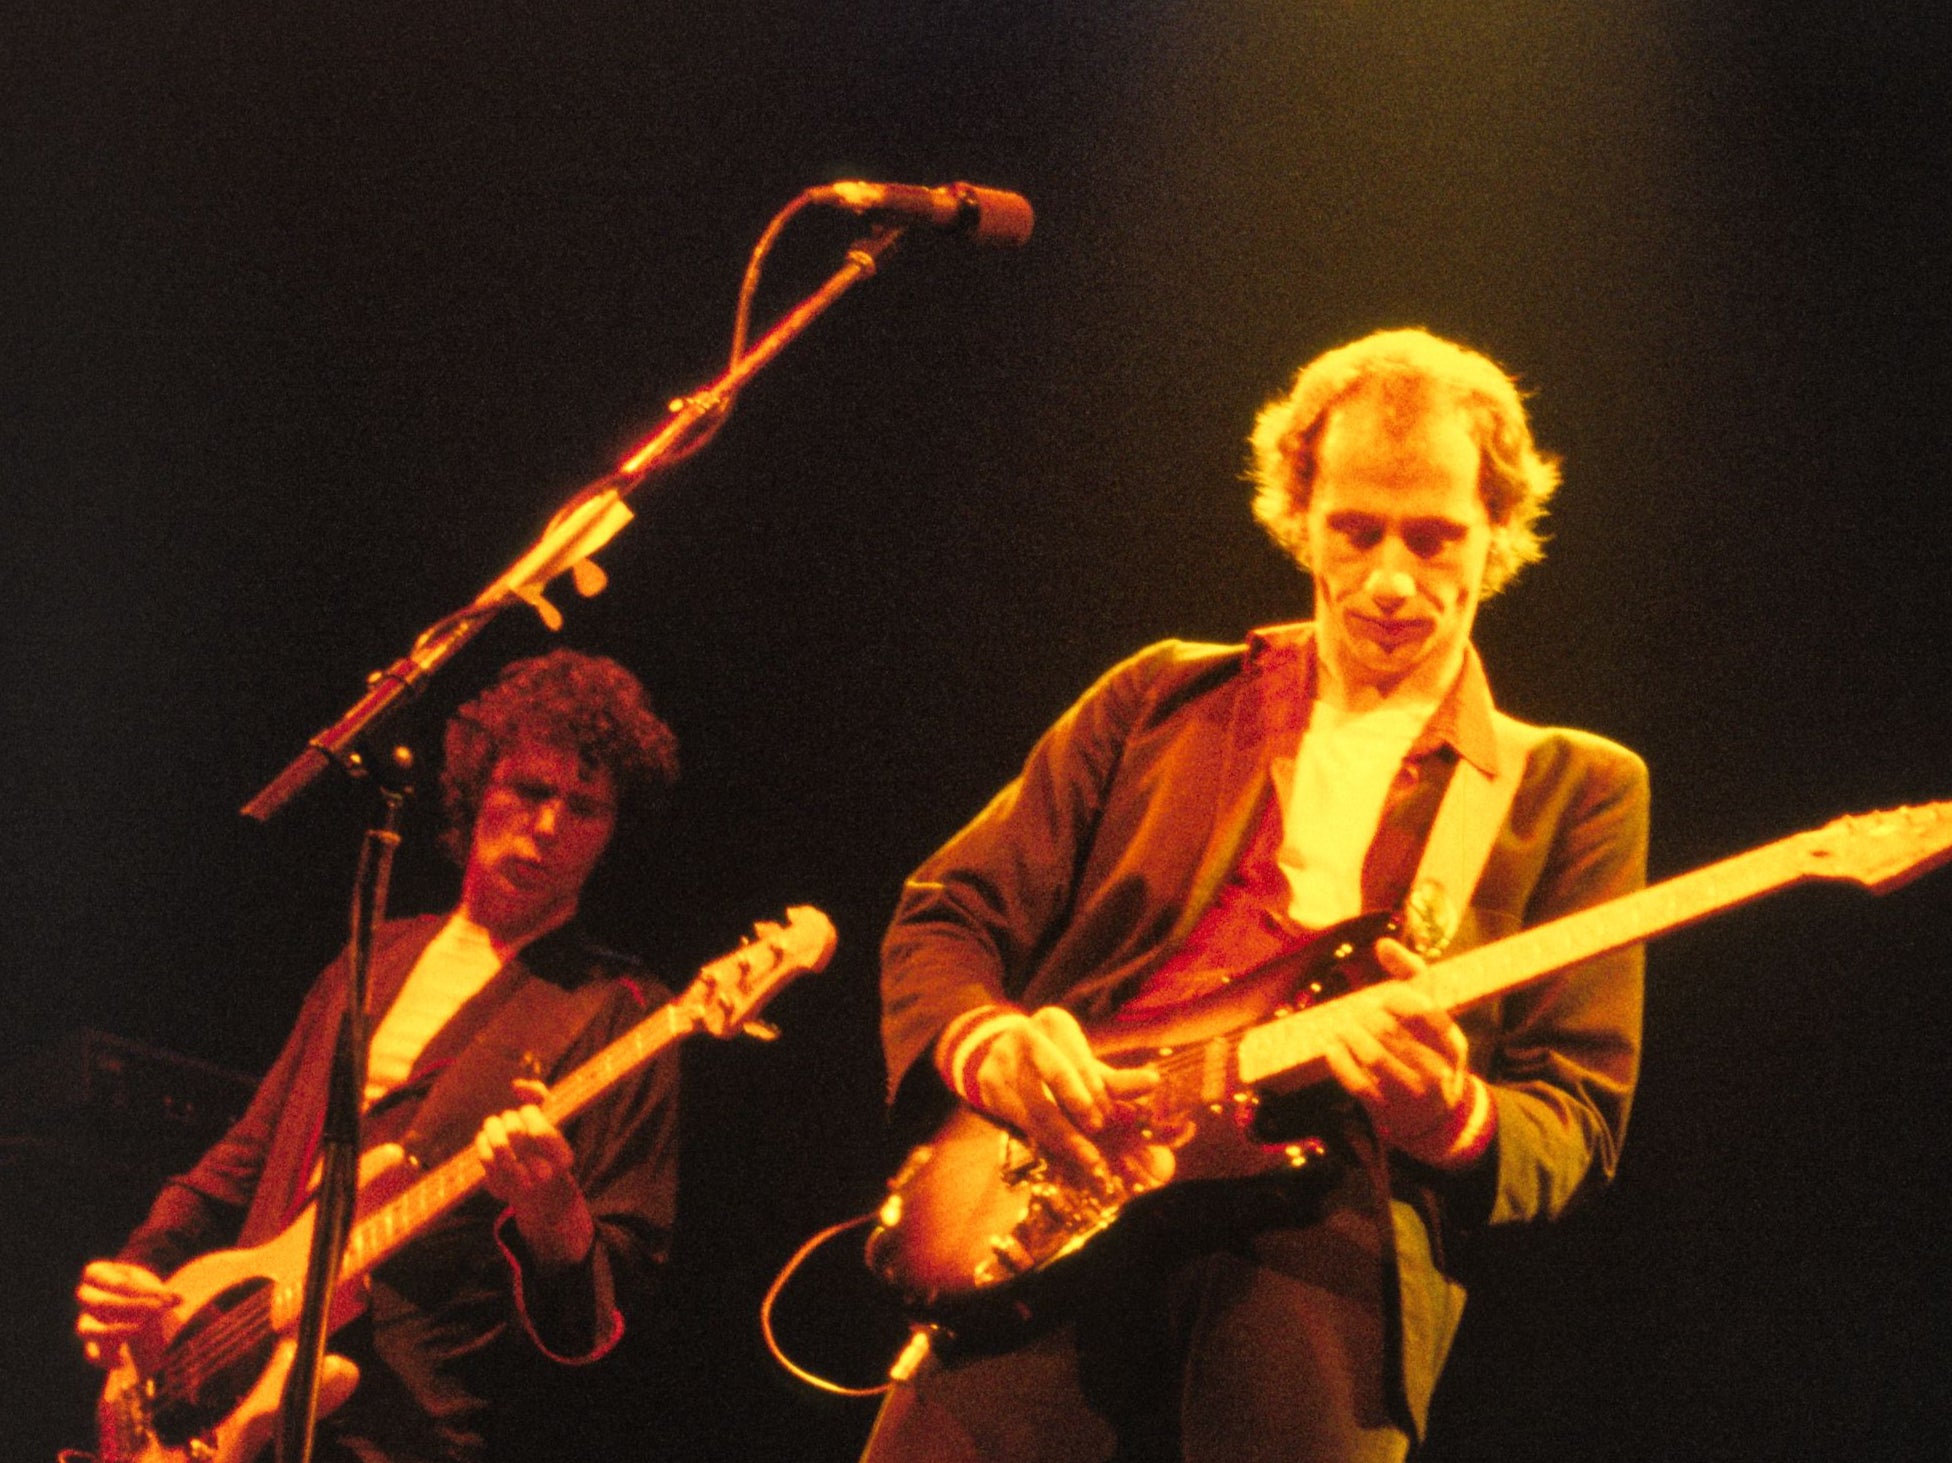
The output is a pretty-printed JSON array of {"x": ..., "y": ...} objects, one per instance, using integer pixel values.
[
  {"x": 978, "y": 1226},
  {"x": 202, "y": 1383}
]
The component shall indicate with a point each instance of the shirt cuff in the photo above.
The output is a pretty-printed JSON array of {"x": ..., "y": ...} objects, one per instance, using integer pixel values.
[
  {"x": 1465, "y": 1136},
  {"x": 959, "y": 1051},
  {"x": 570, "y": 1314}
]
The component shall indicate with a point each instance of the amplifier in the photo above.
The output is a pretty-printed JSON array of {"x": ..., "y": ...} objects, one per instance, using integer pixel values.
[{"x": 91, "y": 1096}]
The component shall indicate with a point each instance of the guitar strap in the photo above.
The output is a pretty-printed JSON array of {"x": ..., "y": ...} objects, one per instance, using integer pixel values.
[
  {"x": 1462, "y": 836},
  {"x": 526, "y": 1037}
]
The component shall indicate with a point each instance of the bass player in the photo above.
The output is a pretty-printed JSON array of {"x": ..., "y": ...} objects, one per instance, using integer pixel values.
[{"x": 472, "y": 1013}]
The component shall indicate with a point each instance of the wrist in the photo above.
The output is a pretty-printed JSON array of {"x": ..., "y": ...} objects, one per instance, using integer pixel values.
[
  {"x": 559, "y": 1233},
  {"x": 964, "y": 1042},
  {"x": 1464, "y": 1134}
]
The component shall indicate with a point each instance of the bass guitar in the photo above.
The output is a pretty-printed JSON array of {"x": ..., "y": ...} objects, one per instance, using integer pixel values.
[
  {"x": 202, "y": 1383},
  {"x": 979, "y": 1230}
]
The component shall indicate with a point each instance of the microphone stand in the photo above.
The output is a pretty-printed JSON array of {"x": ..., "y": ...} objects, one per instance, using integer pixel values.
[
  {"x": 589, "y": 520},
  {"x": 339, "y": 1143}
]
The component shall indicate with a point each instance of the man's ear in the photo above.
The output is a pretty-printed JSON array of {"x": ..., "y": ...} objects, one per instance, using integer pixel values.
[
  {"x": 1498, "y": 565},
  {"x": 1303, "y": 552}
]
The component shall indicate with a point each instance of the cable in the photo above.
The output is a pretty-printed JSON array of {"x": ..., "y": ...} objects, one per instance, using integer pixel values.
[
  {"x": 799, "y": 1257},
  {"x": 716, "y": 413}
]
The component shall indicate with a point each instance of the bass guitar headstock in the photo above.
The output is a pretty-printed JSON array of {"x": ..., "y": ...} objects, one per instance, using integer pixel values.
[{"x": 728, "y": 993}]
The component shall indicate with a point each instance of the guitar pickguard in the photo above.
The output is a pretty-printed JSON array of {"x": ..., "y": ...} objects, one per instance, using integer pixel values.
[{"x": 213, "y": 1362}]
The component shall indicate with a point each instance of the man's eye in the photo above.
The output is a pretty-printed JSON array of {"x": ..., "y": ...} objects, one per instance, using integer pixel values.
[
  {"x": 528, "y": 794},
  {"x": 1427, "y": 543}
]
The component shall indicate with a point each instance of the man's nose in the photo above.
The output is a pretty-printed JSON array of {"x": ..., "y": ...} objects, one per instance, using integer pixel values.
[
  {"x": 548, "y": 813},
  {"x": 1390, "y": 585}
]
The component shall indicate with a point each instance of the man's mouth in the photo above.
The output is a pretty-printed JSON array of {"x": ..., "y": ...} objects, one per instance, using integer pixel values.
[
  {"x": 522, "y": 872},
  {"x": 1392, "y": 634}
]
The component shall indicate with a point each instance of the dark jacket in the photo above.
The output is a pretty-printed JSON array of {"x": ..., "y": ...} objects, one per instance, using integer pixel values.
[
  {"x": 1089, "y": 869},
  {"x": 449, "y": 1314}
]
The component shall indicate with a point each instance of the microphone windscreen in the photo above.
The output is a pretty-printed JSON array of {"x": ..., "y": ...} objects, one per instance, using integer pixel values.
[{"x": 1003, "y": 219}]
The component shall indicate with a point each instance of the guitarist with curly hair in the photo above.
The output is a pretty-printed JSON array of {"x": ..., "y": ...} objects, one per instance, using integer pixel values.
[{"x": 473, "y": 1013}]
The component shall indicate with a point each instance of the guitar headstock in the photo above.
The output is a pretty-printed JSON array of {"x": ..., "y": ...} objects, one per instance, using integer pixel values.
[
  {"x": 1881, "y": 850},
  {"x": 730, "y": 991}
]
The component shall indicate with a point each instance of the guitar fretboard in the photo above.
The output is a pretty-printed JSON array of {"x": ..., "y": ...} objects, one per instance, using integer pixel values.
[
  {"x": 387, "y": 1228},
  {"x": 383, "y": 1231},
  {"x": 1293, "y": 1043}
]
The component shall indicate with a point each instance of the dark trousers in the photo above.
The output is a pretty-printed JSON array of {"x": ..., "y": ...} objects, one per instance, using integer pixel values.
[{"x": 1242, "y": 1341}]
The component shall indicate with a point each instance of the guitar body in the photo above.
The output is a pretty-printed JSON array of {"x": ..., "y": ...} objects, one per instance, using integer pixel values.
[
  {"x": 223, "y": 1426},
  {"x": 981, "y": 1236},
  {"x": 204, "y": 1383}
]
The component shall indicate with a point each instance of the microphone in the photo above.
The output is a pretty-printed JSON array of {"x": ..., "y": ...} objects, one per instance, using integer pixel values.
[{"x": 987, "y": 216}]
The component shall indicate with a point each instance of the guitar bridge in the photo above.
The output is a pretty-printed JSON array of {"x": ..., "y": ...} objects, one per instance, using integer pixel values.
[
  {"x": 1057, "y": 1219},
  {"x": 123, "y": 1421}
]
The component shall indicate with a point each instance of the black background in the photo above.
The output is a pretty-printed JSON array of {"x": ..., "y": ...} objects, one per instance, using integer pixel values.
[{"x": 315, "y": 313}]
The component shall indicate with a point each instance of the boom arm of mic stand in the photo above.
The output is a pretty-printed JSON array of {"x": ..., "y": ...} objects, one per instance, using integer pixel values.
[{"x": 591, "y": 517}]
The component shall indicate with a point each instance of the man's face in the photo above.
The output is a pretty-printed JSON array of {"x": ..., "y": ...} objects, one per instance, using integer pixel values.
[
  {"x": 544, "y": 822},
  {"x": 1399, "y": 534}
]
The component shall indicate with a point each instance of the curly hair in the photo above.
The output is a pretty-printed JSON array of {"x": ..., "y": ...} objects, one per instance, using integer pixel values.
[
  {"x": 585, "y": 703},
  {"x": 1412, "y": 371}
]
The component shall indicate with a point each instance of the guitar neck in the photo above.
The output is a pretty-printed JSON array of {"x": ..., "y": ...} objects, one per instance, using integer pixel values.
[
  {"x": 1292, "y": 1044},
  {"x": 386, "y": 1229}
]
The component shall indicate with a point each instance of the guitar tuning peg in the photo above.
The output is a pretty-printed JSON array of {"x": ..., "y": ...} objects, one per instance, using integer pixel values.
[{"x": 760, "y": 1030}]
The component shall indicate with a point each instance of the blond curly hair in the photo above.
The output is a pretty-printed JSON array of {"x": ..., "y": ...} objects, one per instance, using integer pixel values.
[{"x": 1412, "y": 371}]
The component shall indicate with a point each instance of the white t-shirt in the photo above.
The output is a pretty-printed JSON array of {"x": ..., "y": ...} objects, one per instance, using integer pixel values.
[
  {"x": 457, "y": 962},
  {"x": 1333, "y": 802}
]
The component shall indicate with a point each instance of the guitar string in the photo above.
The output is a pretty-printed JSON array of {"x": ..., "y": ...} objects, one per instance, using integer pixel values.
[
  {"x": 234, "y": 1334},
  {"x": 218, "y": 1346},
  {"x": 1188, "y": 1062}
]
